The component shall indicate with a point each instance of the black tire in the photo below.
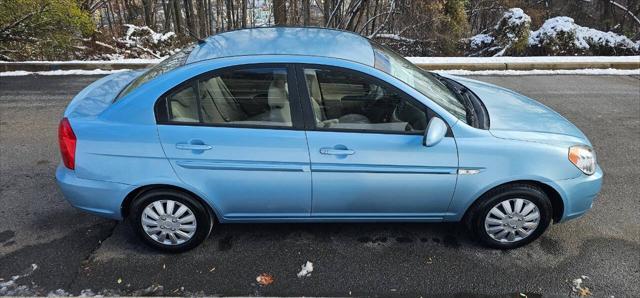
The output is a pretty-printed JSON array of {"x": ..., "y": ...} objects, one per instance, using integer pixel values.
[
  {"x": 478, "y": 212},
  {"x": 203, "y": 218}
]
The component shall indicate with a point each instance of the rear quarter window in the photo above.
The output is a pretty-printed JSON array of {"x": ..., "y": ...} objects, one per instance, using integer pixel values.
[{"x": 167, "y": 65}]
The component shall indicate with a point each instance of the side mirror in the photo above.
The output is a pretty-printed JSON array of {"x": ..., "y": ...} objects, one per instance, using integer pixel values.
[{"x": 435, "y": 132}]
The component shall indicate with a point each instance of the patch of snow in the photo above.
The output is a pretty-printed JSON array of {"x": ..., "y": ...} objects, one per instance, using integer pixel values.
[
  {"x": 577, "y": 286},
  {"x": 532, "y": 59},
  {"x": 306, "y": 269},
  {"x": 588, "y": 71},
  {"x": 584, "y": 37},
  {"x": 394, "y": 37},
  {"x": 118, "y": 61},
  {"x": 11, "y": 288},
  {"x": 501, "y": 52},
  {"x": 132, "y": 35},
  {"x": 59, "y": 293},
  {"x": 515, "y": 17},
  {"x": 87, "y": 293},
  {"x": 82, "y": 72},
  {"x": 480, "y": 40}
]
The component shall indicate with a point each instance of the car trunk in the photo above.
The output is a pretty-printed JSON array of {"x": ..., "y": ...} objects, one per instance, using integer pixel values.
[{"x": 99, "y": 95}]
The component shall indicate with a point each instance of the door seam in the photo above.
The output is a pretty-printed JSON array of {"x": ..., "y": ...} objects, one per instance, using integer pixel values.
[{"x": 306, "y": 138}]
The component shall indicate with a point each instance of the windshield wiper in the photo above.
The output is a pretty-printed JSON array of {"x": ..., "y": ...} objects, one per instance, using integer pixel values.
[{"x": 462, "y": 94}]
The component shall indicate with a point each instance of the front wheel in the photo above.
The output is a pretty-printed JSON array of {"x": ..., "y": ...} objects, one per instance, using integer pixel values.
[
  {"x": 170, "y": 220},
  {"x": 511, "y": 216}
]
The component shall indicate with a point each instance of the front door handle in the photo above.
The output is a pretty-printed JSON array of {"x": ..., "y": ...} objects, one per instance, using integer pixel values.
[
  {"x": 196, "y": 147},
  {"x": 332, "y": 151}
]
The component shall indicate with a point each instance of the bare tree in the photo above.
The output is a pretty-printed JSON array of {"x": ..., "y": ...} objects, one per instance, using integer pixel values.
[
  {"x": 306, "y": 12},
  {"x": 280, "y": 12}
]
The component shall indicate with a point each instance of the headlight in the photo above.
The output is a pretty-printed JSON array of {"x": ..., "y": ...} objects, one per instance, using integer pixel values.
[{"x": 584, "y": 158}]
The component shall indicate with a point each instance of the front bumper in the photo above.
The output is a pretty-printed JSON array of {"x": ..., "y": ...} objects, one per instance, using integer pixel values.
[
  {"x": 579, "y": 193},
  {"x": 101, "y": 198}
]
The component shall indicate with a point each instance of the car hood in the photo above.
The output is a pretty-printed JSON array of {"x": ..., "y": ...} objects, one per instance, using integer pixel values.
[{"x": 510, "y": 112}]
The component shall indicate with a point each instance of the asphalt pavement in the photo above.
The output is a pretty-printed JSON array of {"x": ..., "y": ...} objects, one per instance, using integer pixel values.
[{"x": 48, "y": 247}]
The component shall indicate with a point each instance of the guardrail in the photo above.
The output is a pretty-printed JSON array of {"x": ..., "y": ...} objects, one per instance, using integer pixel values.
[{"x": 429, "y": 63}]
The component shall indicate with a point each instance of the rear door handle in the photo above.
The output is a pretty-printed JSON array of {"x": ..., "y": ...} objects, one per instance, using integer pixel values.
[
  {"x": 332, "y": 151},
  {"x": 199, "y": 147}
]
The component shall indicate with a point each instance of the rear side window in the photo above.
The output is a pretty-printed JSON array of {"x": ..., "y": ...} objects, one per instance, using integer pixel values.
[
  {"x": 183, "y": 105},
  {"x": 246, "y": 97}
]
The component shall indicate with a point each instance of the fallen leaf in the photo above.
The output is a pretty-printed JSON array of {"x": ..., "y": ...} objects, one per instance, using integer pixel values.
[
  {"x": 579, "y": 289},
  {"x": 265, "y": 279},
  {"x": 584, "y": 292}
]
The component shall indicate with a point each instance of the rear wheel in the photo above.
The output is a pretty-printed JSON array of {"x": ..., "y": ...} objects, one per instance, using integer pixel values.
[
  {"x": 170, "y": 220},
  {"x": 510, "y": 216}
]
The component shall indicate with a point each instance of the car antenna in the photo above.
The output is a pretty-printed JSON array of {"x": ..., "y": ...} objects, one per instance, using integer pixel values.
[{"x": 196, "y": 37}]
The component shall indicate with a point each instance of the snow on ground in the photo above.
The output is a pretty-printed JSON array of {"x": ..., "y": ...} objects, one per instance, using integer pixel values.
[
  {"x": 11, "y": 287},
  {"x": 80, "y": 72},
  {"x": 531, "y": 59},
  {"x": 588, "y": 71},
  {"x": 118, "y": 61}
]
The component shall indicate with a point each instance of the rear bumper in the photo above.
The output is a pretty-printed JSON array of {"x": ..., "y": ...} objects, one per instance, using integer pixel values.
[
  {"x": 579, "y": 193},
  {"x": 97, "y": 197}
]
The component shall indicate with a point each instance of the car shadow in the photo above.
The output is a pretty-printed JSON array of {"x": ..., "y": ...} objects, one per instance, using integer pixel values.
[{"x": 236, "y": 236}]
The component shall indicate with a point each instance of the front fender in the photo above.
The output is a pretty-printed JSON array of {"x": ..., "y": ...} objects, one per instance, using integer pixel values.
[{"x": 502, "y": 161}]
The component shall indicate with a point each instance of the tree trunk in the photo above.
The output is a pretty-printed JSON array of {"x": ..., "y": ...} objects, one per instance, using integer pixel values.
[
  {"x": 178, "y": 15},
  {"x": 147, "y": 10},
  {"x": 243, "y": 20},
  {"x": 202, "y": 17},
  {"x": 326, "y": 7},
  {"x": 167, "y": 8},
  {"x": 306, "y": 12},
  {"x": 189, "y": 15},
  {"x": 280, "y": 12},
  {"x": 229, "y": 14}
]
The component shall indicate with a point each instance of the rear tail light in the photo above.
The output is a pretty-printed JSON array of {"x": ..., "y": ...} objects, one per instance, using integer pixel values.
[{"x": 67, "y": 140}]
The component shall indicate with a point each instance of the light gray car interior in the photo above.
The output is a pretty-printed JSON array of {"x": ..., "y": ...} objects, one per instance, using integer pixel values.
[{"x": 218, "y": 104}]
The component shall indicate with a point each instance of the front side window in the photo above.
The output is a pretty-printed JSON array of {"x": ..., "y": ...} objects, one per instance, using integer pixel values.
[
  {"x": 346, "y": 100},
  {"x": 250, "y": 97}
]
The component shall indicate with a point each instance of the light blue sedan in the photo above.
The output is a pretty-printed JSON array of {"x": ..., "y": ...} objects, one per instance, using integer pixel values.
[{"x": 317, "y": 125}]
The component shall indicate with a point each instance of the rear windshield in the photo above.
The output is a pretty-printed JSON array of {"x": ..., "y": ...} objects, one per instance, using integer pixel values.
[{"x": 174, "y": 61}]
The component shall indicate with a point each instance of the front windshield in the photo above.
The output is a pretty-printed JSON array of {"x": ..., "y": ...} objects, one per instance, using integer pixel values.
[
  {"x": 176, "y": 60},
  {"x": 424, "y": 82}
]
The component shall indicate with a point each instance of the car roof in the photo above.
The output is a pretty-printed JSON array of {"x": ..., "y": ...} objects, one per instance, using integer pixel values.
[{"x": 304, "y": 41}]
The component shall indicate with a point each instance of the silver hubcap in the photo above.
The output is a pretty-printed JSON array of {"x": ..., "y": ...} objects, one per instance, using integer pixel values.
[
  {"x": 169, "y": 222},
  {"x": 512, "y": 220}
]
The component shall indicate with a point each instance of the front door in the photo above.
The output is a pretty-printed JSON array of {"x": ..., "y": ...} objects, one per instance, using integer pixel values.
[
  {"x": 367, "y": 153},
  {"x": 236, "y": 136}
]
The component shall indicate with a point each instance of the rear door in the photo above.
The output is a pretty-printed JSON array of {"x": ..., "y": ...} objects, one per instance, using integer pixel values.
[
  {"x": 236, "y": 135},
  {"x": 366, "y": 147}
]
